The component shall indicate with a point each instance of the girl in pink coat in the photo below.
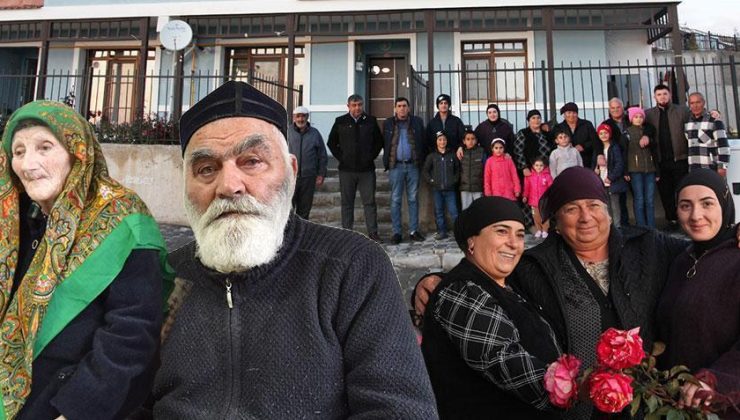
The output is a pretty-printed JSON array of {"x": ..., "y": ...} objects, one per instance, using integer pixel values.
[
  {"x": 535, "y": 185},
  {"x": 500, "y": 177}
]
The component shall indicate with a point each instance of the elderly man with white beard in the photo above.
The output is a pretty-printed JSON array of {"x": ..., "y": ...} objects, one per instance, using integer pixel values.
[{"x": 281, "y": 318}]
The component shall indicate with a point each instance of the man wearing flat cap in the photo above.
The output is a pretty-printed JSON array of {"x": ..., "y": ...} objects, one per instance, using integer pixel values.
[
  {"x": 582, "y": 132},
  {"x": 275, "y": 317},
  {"x": 307, "y": 145}
]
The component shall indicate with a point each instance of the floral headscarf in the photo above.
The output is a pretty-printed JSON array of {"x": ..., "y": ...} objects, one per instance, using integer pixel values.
[{"x": 92, "y": 227}]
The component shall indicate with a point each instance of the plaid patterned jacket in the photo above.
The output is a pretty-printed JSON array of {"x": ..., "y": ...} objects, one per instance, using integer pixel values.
[{"x": 708, "y": 145}]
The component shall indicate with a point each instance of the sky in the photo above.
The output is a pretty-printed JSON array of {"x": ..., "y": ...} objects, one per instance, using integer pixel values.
[{"x": 717, "y": 16}]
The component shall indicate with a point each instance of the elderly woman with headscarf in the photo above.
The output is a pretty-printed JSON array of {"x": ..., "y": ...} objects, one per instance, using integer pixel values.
[
  {"x": 492, "y": 128},
  {"x": 81, "y": 274},
  {"x": 699, "y": 310},
  {"x": 531, "y": 143},
  {"x": 486, "y": 347}
]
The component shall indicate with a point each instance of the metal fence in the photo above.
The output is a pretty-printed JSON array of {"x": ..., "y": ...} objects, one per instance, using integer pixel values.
[
  {"x": 517, "y": 89},
  {"x": 110, "y": 100}
]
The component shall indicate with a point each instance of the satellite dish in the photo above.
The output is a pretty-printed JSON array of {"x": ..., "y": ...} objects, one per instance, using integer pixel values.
[{"x": 175, "y": 35}]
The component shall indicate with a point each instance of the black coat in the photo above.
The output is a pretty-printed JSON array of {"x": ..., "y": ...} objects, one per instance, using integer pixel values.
[
  {"x": 102, "y": 364},
  {"x": 639, "y": 260},
  {"x": 355, "y": 144},
  {"x": 417, "y": 126},
  {"x": 487, "y": 131},
  {"x": 454, "y": 130}
]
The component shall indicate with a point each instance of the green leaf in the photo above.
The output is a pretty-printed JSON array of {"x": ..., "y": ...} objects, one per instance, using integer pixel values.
[
  {"x": 652, "y": 416},
  {"x": 635, "y": 405},
  {"x": 677, "y": 370},
  {"x": 658, "y": 348},
  {"x": 652, "y": 403},
  {"x": 674, "y": 414}
]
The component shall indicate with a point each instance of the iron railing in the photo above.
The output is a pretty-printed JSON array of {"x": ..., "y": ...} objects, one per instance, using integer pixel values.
[
  {"x": 518, "y": 89},
  {"x": 110, "y": 101}
]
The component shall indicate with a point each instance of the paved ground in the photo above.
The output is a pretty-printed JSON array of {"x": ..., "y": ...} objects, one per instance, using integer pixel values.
[{"x": 410, "y": 259}]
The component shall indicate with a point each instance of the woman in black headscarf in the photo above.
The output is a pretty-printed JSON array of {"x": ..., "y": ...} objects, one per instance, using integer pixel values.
[
  {"x": 699, "y": 310},
  {"x": 486, "y": 348},
  {"x": 494, "y": 127}
]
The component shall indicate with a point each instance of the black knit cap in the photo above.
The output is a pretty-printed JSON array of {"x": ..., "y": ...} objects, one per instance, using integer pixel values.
[
  {"x": 444, "y": 97},
  {"x": 570, "y": 106},
  {"x": 232, "y": 99},
  {"x": 532, "y": 113},
  {"x": 482, "y": 212},
  {"x": 574, "y": 183}
]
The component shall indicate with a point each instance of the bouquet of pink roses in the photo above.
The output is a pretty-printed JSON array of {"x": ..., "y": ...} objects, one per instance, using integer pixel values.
[{"x": 624, "y": 375}]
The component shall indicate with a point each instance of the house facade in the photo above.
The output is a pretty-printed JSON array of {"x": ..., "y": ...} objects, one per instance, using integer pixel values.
[{"x": 106, "y": 58}]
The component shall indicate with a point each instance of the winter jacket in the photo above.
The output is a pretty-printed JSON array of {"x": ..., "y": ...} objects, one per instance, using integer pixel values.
[
  {"x": 309, "y": 149},
  {"x": 563, "y": 158},
  {"x": 441, "y": 171},
  {"x": 615, "y": 169},
  {"x": 471, "y": 169},
  {"x": 678, "y": 115},
  {"x": 708, "y": 145},
  {"x": 487, "y": 131},
  {"x": 639, "y": 261},
  {"x": 500, "y": 178},
  {"x": 301, "y": 340},
  {"x": 529, "y": 146},
  {"x": 640, "y": 159},
  {"x": 416, "y": 140},
  {"x": 535, "y": 185},
  {"x": 452, "y": 126},
  {"x": 355, "y": 144}
]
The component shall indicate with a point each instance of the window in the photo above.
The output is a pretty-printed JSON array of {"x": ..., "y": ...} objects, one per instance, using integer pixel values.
[
  {"x": 495, "y": 71},
  {"x": 113, "y": 82},
  {"x": 266, "y": 67}
]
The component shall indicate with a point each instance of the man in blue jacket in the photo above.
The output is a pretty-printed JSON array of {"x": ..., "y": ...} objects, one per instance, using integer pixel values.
[{"x": 403, "y": 155}]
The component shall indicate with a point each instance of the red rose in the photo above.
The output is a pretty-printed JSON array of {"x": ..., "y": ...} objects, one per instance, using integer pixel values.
[
  {"x": 560, "y": 380},
  {"x": 609, "y": 391},
  {"x": 618, "y": 349}
]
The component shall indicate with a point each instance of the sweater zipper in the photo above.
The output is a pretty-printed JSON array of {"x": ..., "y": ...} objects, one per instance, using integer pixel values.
[{"x": 229, "y": 300}]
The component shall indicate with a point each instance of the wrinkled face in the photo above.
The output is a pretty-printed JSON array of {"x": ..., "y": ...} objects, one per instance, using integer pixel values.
[
  {"x": 300, "y": 120},
  {"x": 571, "y": 117},
  {"x": 604, "y": 135},
  {"x": 638, "y": 120},
  {"x": 402, "y": 110},
  {"x": 239, "y": 181},
  {"x": 470, "y": 140},
  {"x": 497, "y": 149},
  {"x": 492, "y": 114},
  {"x": 41, "y": 163},
  {"x": 699, "y": 212},
  {"x": 355, "y": 108},
  {"x": 562, "y": 139},
  {"x": 497, "y": 248},
  {"x": 535, "y": 122},
  {"x": 616, "y": 110},
  {"x": 538, "y": 166},
  {"x": 696, "y": 104},
  {"x": 441, "y": 144},
  {"x": 584, "y": 224},
  {"x": 443, "y": 106},
  {"x": 662, "y": 97}
]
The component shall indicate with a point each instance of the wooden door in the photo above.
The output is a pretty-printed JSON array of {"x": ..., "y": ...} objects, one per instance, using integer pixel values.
[{"x": 387, "y": 80}]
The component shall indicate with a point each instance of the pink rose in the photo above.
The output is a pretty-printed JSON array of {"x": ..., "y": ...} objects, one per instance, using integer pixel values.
[
  {"x": 560, "y": 380},
  {"x": 618, "y": 349},
  {"x": 609, "y": 391}
]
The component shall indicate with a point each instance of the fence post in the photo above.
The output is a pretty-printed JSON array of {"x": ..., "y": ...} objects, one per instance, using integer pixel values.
[
  {"x": 291, "y": 64},
  {"x": 140, "y": 74},
  {"x": 177, "y": 93},
  {"x": 733, "y": 78},
  {"x": 544, "y": 89},
  {"x": 43, "y": 60}
]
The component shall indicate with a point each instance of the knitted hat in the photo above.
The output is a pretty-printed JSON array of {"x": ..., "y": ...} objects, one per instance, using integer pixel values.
[
  {"x": 635, "y": 110},
  {"x": 444, "y": 97},
  {"x": 483, "y": 212},
  {"x": 570, "y": 106},
  {"x": 301, "y": 110},
  {"x": 574, "y": 183},
  {"x": 532, "y": 113}
]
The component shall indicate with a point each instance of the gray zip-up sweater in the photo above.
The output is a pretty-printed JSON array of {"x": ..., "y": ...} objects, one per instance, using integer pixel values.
[
  {"x": 308, "y": 148},
  {"x": 321, "y": 332}
]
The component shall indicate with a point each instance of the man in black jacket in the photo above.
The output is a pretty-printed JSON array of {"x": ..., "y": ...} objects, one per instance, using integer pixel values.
[
  {"x": 444, "y": 121},
  {"x": 355, "y": 140}
]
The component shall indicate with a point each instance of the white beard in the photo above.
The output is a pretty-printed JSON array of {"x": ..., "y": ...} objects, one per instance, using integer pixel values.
[{"x": 239, "y": 242}]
